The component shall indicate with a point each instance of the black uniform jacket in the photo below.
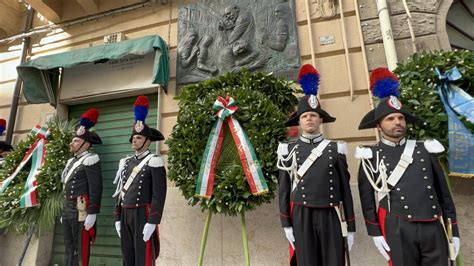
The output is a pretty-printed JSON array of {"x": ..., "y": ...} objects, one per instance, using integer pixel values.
[
  {"x": 421, "y": 195},
  {"x": 325, "y": 184},
  {"x": 147, "y": 189},
  {"x": 85, "y": 180}
]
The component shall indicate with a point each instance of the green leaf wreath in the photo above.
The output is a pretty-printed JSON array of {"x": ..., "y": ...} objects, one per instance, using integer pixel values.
[
  {"x": 49, "y": 191},
  {"x": 418, "y": 90},
  {"x": 264, "y": 104}
]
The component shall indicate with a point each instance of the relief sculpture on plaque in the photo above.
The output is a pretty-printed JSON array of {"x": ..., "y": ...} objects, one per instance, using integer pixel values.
[{"x": 216, "y": 37}]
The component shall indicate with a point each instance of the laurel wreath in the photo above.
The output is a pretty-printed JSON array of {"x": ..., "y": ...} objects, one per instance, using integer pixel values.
[
  {"x": 49, "y": 191},
  {"x": 418, "y": 90},
  {"x": 264, "y": 103}
]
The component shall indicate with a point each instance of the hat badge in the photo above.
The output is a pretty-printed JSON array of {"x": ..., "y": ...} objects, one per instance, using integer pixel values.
[
  {"x": 139, "y": 126},
  {"x": 394, "y": 102},
  {"x": 80, "y": 131},
  {"x": 313, "y": 101}
]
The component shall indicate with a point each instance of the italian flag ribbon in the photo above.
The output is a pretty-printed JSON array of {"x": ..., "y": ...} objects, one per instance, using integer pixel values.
[
  {"x": 36, "y": 153},
  {"x": 252, "y": 168}
]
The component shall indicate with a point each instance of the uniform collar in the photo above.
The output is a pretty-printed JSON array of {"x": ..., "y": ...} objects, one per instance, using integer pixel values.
[
  {"x": 141, "y": 155},
  {"x": 311, "y": 138},
  {"x": 82, "y": 154},
  {"x": 391, "y": 143}
]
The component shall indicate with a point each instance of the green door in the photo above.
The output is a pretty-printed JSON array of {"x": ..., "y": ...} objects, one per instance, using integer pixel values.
[{"x": 114, "y": 127}]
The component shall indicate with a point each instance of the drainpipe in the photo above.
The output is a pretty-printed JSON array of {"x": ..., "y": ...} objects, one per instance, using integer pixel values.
[
  {"x": 387, "y": 34},
  {"x": 17, "y": 91}
]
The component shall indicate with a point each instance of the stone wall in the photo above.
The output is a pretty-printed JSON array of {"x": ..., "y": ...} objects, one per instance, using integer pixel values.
[{"x": 428, "y": 20}]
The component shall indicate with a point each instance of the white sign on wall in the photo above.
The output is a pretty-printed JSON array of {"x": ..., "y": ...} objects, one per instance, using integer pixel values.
[{"x": 118, "y": 76}]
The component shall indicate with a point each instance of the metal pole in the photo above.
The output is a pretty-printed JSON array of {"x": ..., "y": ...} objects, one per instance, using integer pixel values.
[
  {"x": 18, "y": 83},
  {"x": 410, "y": 26},
  {"x": 366, "y": 64},
  {"x": 28, "y": 240},
  {"x": 158, "y": 118},
  {"x": 310, "y": 33},
  {"x": 346, "y": 51}
]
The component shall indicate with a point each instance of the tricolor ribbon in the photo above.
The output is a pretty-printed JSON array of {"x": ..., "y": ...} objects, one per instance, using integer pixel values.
[
  {"x": 36, "y": 153},
  {"x": 252, "y": 168}
]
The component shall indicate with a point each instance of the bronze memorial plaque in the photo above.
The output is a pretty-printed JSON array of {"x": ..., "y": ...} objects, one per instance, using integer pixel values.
[{"x": 215, "y": 37}]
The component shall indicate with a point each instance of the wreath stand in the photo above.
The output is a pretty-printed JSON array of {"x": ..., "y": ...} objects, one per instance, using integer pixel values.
[{"x": 244, "y": 238}]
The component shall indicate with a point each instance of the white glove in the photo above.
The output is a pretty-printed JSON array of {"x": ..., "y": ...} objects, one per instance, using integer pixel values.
[
  {"x": 290, "y": 236},
  {"x": 457, "y": 244},
  {"x": 148, "y": 229},
  {"x": 90, "y": 221},
  {"x": 350, "y": 240},
  {"x": 382, "y": 246},
  {"x": 117, "y": 228}
]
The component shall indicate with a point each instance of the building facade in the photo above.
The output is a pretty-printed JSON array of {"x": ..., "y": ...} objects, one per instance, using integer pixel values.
[{"x": 344, "y": 47}]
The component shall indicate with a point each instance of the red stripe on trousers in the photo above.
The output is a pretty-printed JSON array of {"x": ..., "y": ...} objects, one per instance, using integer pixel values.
[
  {"x": 382, "y": 215},
  {"x": 149, "y": 244},
  {"x": 292, "y": 250},
  {"x": 87, "y": 237}
]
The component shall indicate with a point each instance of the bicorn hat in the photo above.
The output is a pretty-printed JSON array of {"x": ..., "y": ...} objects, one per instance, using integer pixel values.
[
  {"x": 384, "y": 85},
  {"x": 87, "y": 121},
  {"x": 140, "y": 108},
  {"x": 308, "y": 78}
]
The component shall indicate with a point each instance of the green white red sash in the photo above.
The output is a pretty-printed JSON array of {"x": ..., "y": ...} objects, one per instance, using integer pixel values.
[
  {"x": 37, "y": 154},
  {"x": 252, "y": 169}
]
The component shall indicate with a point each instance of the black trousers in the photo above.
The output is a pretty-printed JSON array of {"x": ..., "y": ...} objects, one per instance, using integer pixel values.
[
  {"x": 416, "y": 243},
  {"x": 72, "y": 234},
  {"x": 134, "y": 249},
  {"x": 318, "y": 236}
]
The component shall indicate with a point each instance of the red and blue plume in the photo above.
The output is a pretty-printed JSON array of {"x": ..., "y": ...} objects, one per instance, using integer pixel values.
[
  {"x": 3, "y": 125},
  {"x": 308, "y": 78},
  {"x": 384, "y": 83},
  {"x": 140, "y": 108},
  {"x": 89, "y": 118}
]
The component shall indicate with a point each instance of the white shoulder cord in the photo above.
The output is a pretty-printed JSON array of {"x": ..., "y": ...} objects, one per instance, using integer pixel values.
[
  {"x": 118, "y": 181},
  {"x": 291, "y": 156},
  {"x": 292, "y": 169},
  {"x": 118, "y": 178},
  {"x": 380, "y": 184}
]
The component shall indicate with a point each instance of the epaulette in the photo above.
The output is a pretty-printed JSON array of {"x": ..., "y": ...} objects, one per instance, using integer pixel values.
[
  {"x": 156, "y": 161},
  {"x": 123, "y": 161},
  {"x": 342, "y": 147},
  {"x": 120, "y": 169},
  {"x": 362, "y": 152},
  {"x": 91, "y": 160},
  {"x": 433, "y": 146},
  {"x": 282, "y": 149},
  {"x": 69, "y": 161}
]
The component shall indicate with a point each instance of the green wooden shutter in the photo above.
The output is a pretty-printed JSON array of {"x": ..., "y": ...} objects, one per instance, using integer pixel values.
[{"x": 114, "y": 127}]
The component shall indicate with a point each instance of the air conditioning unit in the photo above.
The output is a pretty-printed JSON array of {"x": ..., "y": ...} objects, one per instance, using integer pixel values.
[{"x": 114, "y": 38}]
